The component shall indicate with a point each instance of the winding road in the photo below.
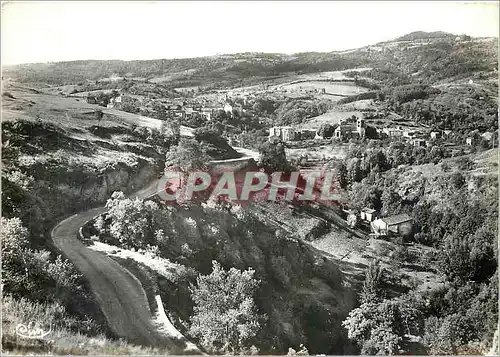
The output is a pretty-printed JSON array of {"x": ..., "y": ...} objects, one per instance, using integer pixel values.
[{"x": 120, "y": 294}]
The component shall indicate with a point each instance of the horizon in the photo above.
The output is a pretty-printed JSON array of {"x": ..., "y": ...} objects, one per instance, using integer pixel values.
[
  {"x": 226, "y": 54},
  {"x": 48, "y": 32}
]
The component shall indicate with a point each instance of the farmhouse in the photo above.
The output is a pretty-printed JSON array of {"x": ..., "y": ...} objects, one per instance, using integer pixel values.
[
  {"x": 435, "y": 135},
  {"x": 344, "y": 131},
  {"x": 409, "y": 133},
  {"x": 228, "y": 108},
  {"x": 470, "y": 141},
  {"x": 115, "y": 103},
  {"x": 91, "y": 100},
  {"x": 285, "y": 133},
  {"x": 393, "y": 132},
  {"x": 400, "y": 224},
  {"x": 207, "y": 113},
  {"x": 419, "y": 143},
  {"x": 360, "y": 127},
  {"x": 368, "y": 214}
]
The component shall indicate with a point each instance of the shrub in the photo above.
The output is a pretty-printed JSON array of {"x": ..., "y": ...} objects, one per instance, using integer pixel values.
[{"x": 224, "y": 313}]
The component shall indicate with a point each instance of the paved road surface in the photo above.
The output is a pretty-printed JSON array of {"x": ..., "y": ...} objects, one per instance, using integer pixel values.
[{"x": 120, "y": 295}]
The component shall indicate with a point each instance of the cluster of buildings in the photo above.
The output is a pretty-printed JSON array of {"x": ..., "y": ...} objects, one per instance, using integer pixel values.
[
  {"x": 355, "y": 127},
  {"x": 346, "y": 129},
  {"x": 476, "y": 137},
  {"x": 176, "y": 107},
  {"x": 400, "y": 224},
  {"x": 418, "y": 136},
  {"x": 349, "y": 128},
  {"x": 289, "y": 133}
]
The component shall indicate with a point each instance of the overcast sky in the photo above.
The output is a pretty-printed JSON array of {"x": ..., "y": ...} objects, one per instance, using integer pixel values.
[{"x": 61, "y": 31}]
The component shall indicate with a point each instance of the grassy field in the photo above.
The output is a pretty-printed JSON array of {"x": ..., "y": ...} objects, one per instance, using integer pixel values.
[
  {"x": 336, "y": 88},
  {"x": 62, "y": 339},
  {"x": 330, "y": 75},
  {"x": 28, "y": 103},
  {"x": 294, "y": 86}
]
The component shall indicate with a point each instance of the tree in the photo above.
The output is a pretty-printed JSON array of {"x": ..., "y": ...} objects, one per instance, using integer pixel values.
[
  {"x": 326, "y": 130},
  {"x": 446, "y": 335},
  {"x": 465, "y": 163},
  {"x": 375, "y": 159},
  {"x": 187, "y": 156},
  {"x": 160, "y": 111},
  {"x": 225, "y": 316},
  {"x": 376, "y": 327},
  {"x": 172, "y": 127},
  {"x": 457, "y": 180},
  {"x": 436, "y": 154},
  {"x": 382, "y": 327},
  {"x": 30, "y": 273},
  {"x": 363, "y": 194},
  {"x": 391, "y": 201},
  {"x": 131, "y": 220},
  {"x": 99, "y": 115},
  {"x": 371, "y": 286},
  {"x": 273, "y": 156},
  {"x": 14, "y": 241},
  {"x": 354, "y": 170},
  {"x": 340, "y": 170}
]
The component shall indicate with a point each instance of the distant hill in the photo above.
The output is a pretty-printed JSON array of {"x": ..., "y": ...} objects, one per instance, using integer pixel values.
[
  {"x": 439, "y": 59},
  {"x": 422, "y": 35}
]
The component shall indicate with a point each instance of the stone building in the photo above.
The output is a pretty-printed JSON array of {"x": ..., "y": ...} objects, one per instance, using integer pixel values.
[
  {"x": 285, "y": 133},
  {"x": 400, "y": 224}
]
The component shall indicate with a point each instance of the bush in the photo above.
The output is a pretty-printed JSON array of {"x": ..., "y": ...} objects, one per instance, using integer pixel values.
[
  {"x": 131, "y": 221},
  {"x": 224, "y": 313}
]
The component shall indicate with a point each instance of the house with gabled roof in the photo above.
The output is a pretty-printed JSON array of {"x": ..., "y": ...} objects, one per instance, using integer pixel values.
[
  {"x": 368, "y": 214},
  {"x": 400, "y": 224}
]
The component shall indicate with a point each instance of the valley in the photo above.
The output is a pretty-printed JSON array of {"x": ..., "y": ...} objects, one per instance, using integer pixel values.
[{"x": 408, "y": 127}]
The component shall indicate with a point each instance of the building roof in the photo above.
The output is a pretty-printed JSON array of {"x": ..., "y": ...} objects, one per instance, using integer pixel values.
[
  {"x": 400, "y": 218},
  {"x": 369, "y": 210},
  {"x": 345, "y": 128}
]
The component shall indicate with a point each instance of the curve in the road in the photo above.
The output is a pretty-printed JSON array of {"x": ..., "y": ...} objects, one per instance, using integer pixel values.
[{"x": 119, "y": 294}]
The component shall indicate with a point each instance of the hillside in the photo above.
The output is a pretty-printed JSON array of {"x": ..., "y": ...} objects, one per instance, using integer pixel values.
[
  {"x": 422, "y": 35},
  {"x": 74, "y": 133},
  {"x": 237, "y": 68}
]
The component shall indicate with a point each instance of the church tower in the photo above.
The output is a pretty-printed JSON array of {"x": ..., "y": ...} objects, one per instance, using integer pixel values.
[{"x": 360, "y": 127}]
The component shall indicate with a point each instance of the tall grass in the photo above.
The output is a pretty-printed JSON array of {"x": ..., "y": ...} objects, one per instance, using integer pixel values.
[{"x": 63, "y": 339}]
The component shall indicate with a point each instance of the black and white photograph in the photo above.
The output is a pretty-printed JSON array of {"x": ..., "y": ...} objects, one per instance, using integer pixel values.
[{"x": 280, "y": 178}]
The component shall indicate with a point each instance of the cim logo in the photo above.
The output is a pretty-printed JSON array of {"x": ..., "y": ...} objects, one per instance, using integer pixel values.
[{"x": 32, "y": 331}]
